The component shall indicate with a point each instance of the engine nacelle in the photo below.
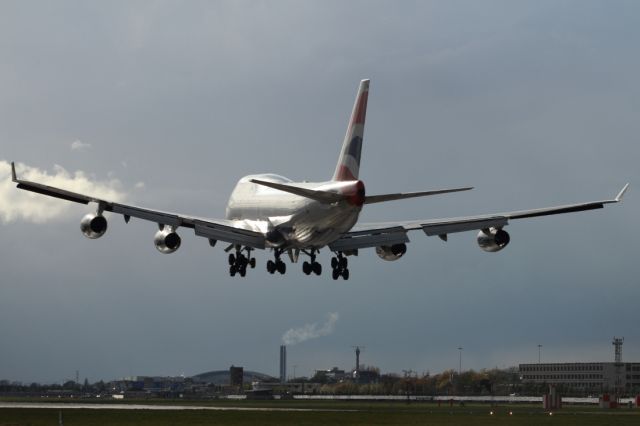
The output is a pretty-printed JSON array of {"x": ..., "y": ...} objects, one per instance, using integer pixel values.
[
  {"x": 493, "y": 239},
  {"x": 167, "y": 240},
  {"x": 393, "y": 252},
  {"x": 93, "y": 225}
]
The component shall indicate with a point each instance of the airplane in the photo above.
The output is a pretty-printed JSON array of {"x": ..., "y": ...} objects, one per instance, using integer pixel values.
[{"x": 269, "y": 211}]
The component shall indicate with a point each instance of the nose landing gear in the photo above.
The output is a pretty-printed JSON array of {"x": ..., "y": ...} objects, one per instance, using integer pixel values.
[{"x": 340, "y": 264}]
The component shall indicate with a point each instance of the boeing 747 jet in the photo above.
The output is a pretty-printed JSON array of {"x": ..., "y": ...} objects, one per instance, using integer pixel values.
[{"x": 289, "y": 218}]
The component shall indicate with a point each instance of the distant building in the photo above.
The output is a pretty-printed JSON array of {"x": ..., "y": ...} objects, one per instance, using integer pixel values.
[
  {"x": 236, "y": 376},
  {"x": 334, "y": 375},
  {"x": 585, "y": 376},
  {"x": 223, "y": 377}
]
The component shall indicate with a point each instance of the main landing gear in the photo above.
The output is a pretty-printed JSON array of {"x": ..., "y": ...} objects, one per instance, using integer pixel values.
[
  {"x": 339, "y": 264},
  {"x": 277, "y": 264},
  {"x": 238, "y": 262},
  {"x": 313, "y": 266}
]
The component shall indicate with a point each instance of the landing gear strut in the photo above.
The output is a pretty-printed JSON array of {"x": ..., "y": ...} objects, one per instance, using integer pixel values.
[
  {"x": 238, "y": 262},
  {"x": 277, "y": 264},
  {"x": 339, "y": 264},
  {"x": 313, "y": 266}
]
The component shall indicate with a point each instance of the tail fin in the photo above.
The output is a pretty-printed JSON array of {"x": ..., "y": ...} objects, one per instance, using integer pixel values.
[{"x": 349, "y": 162}]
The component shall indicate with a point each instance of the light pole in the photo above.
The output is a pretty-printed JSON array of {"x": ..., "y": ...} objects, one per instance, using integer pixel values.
[
  {"x": 460, "y": 360},
  {"x": 539, "y": 353}
]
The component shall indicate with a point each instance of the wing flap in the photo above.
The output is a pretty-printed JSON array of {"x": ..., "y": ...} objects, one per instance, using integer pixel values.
[
  {"x": 444, "y": 228},
  {"x": 161, "y": 218},
  {"x": 229, "y": 234},
  {"x": 364, "y": 240}
]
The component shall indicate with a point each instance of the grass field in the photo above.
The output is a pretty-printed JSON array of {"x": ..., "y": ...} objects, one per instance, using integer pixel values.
[{"x": 367, "y": 414}]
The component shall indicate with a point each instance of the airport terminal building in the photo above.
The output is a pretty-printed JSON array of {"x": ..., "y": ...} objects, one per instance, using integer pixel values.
[{"x": 584, "y": 376}]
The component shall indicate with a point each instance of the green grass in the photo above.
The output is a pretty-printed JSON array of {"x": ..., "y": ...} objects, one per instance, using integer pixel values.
[{"x": 368, "y": 414}]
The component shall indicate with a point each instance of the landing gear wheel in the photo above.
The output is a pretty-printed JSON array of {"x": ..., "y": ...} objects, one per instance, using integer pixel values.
[
  {"x": 334, "y": 263},
  {"x": 343, "y": 263},
  {"x": 271, "y": 266},
  {"x": 345, "y": 274},
  {"x": 232, "y": 259},
  {"x": 243, "y": 270},
  {"x": 335, "y": 274},
  {"x": 281, "y": 266},
  {"x": 232, "y": 270},
  {"x": 317, "y": 268},
  {"x": 306, "y": 268},
  {"x": 252, "y": 263}
]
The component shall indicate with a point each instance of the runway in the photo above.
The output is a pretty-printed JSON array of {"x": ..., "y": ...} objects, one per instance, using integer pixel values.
[{"x": 155, "y": 407}]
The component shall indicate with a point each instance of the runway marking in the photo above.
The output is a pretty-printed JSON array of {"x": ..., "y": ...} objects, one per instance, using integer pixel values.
[{"x": 108, "y": 406}]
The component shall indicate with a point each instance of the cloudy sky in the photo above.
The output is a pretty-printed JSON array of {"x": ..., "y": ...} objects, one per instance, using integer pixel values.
[{"x": 166, "y": 104}]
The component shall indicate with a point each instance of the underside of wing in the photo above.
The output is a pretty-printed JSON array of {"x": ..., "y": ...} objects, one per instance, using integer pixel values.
[
  {"x": 234, "y": 232},
  {"x": 377, "y": 234}
]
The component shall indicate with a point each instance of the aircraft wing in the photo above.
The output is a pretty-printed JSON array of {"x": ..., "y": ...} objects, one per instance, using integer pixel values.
[
  {"x": 377, "y": 234},
  {"x": 234, "y": 232}
]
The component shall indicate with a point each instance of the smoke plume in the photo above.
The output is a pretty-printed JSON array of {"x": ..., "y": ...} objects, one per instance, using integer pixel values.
[
  {"x": 311, "y": 331},
  {"x": 16, "y": 204}
]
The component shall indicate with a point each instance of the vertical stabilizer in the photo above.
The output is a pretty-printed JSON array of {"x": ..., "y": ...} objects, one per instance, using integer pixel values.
[{"x": 349, "y": 162}]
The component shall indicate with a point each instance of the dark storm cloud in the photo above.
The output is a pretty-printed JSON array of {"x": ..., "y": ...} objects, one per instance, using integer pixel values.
[{"x": 533, "y": 103}]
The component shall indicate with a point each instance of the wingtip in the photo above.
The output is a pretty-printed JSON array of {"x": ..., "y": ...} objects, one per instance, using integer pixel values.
[
  {"x": 621, "y": 193},
  {"x": 14, "y": 177}
]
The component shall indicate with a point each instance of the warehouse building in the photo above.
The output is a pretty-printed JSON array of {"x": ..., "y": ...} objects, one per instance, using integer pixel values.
[{"x": 587, "y": 376}]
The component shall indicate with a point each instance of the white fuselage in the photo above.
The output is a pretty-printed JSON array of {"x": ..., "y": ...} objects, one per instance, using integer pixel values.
[{"x": 288, "y": 220}]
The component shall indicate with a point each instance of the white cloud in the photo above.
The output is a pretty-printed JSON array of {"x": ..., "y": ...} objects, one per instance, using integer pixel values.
[
  {"x": 139, "y": 185},
  {"x": 16, "y": 204},
  {"x": 311, "y": 331},
  {"x": 78, "y": 145}
]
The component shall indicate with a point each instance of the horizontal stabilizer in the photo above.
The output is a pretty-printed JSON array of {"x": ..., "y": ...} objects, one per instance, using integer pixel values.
[
  {"x": 324, "y": 197},
  {"x": 370, "y": 199}
]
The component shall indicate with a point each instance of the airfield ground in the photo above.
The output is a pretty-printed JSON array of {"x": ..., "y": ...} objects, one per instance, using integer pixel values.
[{"x": 319, "y": 413}]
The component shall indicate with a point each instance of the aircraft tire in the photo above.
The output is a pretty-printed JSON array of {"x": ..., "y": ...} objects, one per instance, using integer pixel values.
[
  {"x": 232, "y": 259},
  {"x": 317, "y": 268},
  {"x": 345, "y": 274},
  {"x": 252, "y": 263},
  {"x": 334, "y": 263},
  {"x": 232, "y": 270},
  {"x": 335, "y": 274},
  {"x": 343, "y": 263},
  {"x": 306, "y": 268},
  {"x": 282, "y": 267}
]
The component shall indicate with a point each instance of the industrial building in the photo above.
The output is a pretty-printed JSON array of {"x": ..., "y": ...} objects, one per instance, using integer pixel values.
[
  {"x": 590, "y": 377},
  {"x": 283, "y": 364}
]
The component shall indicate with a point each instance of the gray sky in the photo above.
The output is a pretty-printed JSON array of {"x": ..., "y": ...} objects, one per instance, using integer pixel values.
[{"x": 166, "y": 104}]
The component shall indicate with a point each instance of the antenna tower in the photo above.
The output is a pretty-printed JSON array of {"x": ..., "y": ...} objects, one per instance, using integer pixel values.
[
  {"x": 358, "y": 350},
  {"x": 617, "y": 342}
]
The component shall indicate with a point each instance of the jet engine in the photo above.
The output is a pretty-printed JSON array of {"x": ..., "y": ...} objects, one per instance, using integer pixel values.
[
  {"x": 167, "y": 240},
  {"x": 93, "y": 225},
  {"x": 493, "y": 239},
  {"x": 393, "y": 252}
]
